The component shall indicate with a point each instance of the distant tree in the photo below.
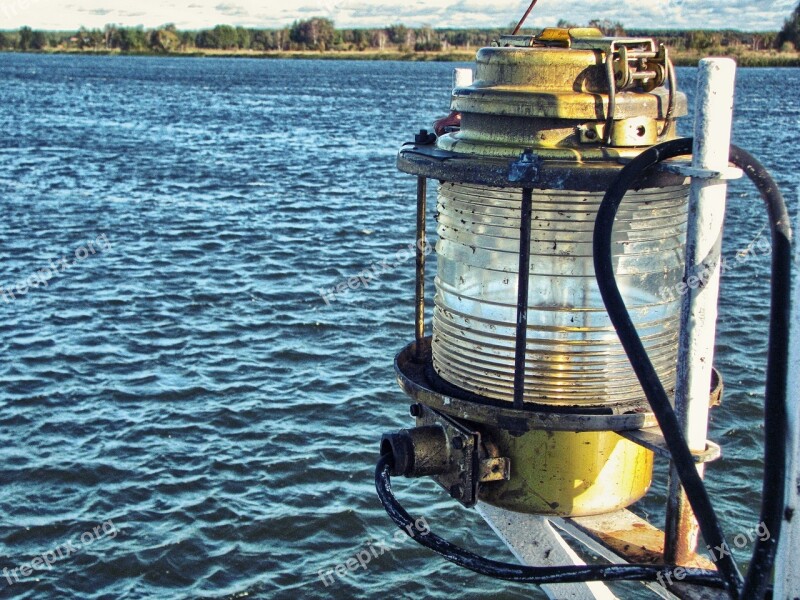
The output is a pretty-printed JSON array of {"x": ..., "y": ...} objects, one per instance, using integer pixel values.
[
  {"x": 607, "y": 27},
  {"x": 360, "y": 38},
  {"x": 458, "y": 38},
  {"x": 111, "y": 36},
  {"x": 187, "y": 39},
  {"x": 338, "y": 39},
  {"x": 425, "y": 35},
  {"x": 5, "y": 42},
  {"x": 96, "y": 38},
  {"x": 262, "y": 40},
  {"x": 316, "y": 33},
  {"x": 132, "y": 39},
  {"x": 378, "y": 39},
  {"x": 790, "y": 31},
  {"x": 242, "y": 38},
  {"x": 206, "y": 39},
  {"x": 699, "y": 40},
  {"x": 398, "y": 34},
  {"x": 427, "y": 40},
  {"x": 38, "y": 40},
  {"x": 226, "y": 37},
  {"x": 25, "y": 38},
  {"x": 164, "y": 40},
  {"x": 282, "y": 38},
  {"x": 82, "y": 38}
]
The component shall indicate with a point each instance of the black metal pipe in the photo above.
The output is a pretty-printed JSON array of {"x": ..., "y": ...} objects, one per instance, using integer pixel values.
[
  {"x": 523, "y": 281},
  {"x": 419, "y": 294}
]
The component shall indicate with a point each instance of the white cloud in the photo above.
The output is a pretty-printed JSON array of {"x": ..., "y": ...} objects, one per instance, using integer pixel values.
[
  {"x": 735, "y": 14},
  {"x": 231, "y": 10}
]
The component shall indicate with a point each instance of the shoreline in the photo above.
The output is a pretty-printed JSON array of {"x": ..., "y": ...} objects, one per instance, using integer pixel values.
[{"x": 681, "y": 59}]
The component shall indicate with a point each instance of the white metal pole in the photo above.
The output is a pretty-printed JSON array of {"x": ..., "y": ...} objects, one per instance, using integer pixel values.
[
  {"x": 462, "y": 77},
  {"x": 787, "y": 576},
  {"x": 712, "y": 134}
]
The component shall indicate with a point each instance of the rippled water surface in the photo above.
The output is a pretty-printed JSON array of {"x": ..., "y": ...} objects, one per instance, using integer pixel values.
[{"x": 179, "y": 402}]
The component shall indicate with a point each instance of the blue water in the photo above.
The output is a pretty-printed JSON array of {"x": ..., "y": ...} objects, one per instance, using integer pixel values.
[{"x": 178, "y": 402}]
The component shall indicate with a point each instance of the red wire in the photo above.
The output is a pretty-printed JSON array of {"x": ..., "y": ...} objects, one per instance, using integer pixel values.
[{"x": 525, "y": 16}]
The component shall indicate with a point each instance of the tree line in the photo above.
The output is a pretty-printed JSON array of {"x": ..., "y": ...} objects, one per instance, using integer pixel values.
[{"x": 320, "y": 34}]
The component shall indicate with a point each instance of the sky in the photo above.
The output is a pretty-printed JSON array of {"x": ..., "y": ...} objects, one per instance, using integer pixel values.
[{"x": 751, "y": 15}]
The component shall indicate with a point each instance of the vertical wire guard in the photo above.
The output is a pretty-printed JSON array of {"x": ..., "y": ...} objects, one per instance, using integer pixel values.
[
  {"x": 523, "y": 278},
  {"x": 419, "y": 295}
]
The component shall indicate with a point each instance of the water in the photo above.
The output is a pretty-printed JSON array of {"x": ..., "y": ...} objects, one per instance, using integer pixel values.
[{"x": 182, "y": 398}]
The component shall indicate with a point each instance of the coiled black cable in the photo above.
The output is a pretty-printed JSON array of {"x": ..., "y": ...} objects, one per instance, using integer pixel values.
[
  {"x": 758, "y": 574},
  {"x": 523, "y": 573}
]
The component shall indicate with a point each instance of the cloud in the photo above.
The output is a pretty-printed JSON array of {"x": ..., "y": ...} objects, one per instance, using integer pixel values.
[
  {"x": 734, "y": 14},
  {"x": 231, "y": 10}
]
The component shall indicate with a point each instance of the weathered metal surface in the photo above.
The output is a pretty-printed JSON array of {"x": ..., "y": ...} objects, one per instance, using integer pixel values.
[
  {"x": 551, "y": 82},
  {"x": 418, "y": 451},
  {"x": 619, "y": 537},
  {"x": 653, "y": 439},
  {"x": 623, "y": 536},
  {"x": 717, "y": 388},
  {"x": 714, "y": 112},
  {"x": 548, "y": 92},
  {"x": 568, "y": 473},
  {"x": 463, "y": 76},
  {"x": 535, "y": 542},
  {"x": 419, "y": 382},
  {"x": 440, "y": 447},
  {"x": 624, "y": 533},
  {"x": 419, "y": 294},
  {"x": 434, "y": 163},
  {"x": 687, "y": 170},
  {"x": 495, "y": 469}
]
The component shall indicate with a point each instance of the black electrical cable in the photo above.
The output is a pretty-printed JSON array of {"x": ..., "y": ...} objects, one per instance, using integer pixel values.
[
  {"x": 775, "y": 396},
  {"x": 645, "y": 372},
  {"x": 755, "y": 584},
  {"x": 775, "y": 405},
  {"x": 523, "y": 573}
]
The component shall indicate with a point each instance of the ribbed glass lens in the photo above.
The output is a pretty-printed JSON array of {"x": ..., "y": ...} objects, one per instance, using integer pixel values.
[{"x": 573, "y": 353}]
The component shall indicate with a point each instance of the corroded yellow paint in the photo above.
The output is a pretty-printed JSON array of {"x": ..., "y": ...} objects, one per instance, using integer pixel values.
[
  {"x": 569, "y": 474},
  {"x": 544, "y": 96}
]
